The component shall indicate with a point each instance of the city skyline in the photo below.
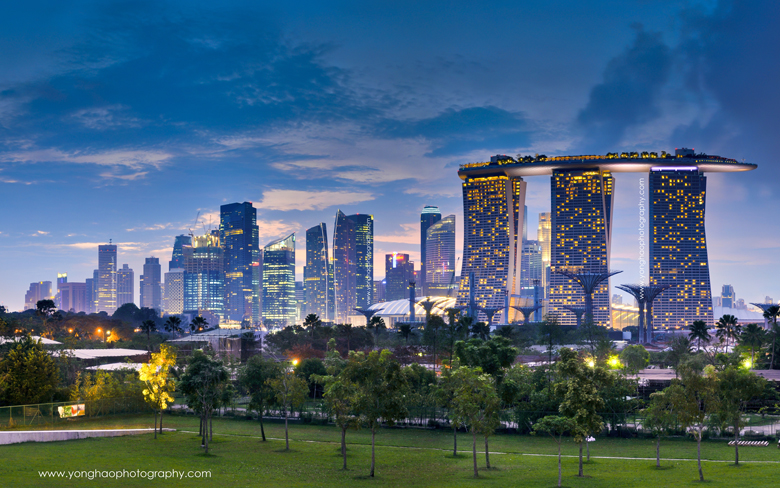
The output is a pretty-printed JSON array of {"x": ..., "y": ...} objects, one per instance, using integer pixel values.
[{"x": 72, "y": 144}]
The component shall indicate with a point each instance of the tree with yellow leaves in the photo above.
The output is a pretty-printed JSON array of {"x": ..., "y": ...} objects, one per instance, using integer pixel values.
[{"x": 159, "y": 386}]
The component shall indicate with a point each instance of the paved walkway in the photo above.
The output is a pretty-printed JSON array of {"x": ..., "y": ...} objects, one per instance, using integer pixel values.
[{"x": 17, "y": 436}]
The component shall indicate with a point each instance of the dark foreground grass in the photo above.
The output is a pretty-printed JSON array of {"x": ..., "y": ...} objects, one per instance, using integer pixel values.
[{"x": 405, "y": 457}]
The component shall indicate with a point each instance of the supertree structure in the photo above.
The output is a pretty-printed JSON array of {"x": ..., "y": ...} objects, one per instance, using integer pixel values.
[
  {"x": 526, "y": 311},
  {"x": 366, "y": 313},
  {"x": 588, "y": 280},
  {"x": 645, "y": 295},
  {"x": 578, "y": 313}
]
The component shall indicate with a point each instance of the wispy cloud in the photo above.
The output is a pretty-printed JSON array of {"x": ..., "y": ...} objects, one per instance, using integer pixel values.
[
  {"x": 310, "y": 200},
  {"x": 130, "y": 158}
]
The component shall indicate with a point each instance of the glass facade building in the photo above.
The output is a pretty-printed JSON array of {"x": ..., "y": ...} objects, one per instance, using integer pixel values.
[
  {"x": 344, "y": 267},
  {"x": 364, "y": 259},
  {"x": 678, "y": 250},
  {"x": 239, "y": 235},
  {"x": 177, "y": 256},
  {"x": 106, "y": 281},
  {"x": 531, "y": 265},
  {"x": 440, "y": 257},
  {"x": 429, "y": 216},
  {"x": 173, "y": 296},
  {"x": 125, "y": 285},
  {"x": 151, "y": 284},
  {"x": 582, "y": 202},
  {"x": 316, "y": 275},
  {"x": 279, "y": 304},
  {"x": 399, "y": 271},
  {"x": 204, "y": 276}
]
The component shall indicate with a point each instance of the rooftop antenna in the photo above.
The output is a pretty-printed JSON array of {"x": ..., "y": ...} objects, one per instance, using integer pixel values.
[{"x": 196, "y": 224}]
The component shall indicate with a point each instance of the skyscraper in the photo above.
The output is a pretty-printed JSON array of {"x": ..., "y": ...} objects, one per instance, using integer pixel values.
[
  {"x": 399, "y": 271},
  {"x": 316, "y": 277},
  {"x": 125, "y": 286},
  {"x": 364, "y": 259},
  {"x": 727, "y": 296},
  {"x": 151, "y": 284},
  {"x": 177, "y": 256},
  {"x": 581, "y": 236},
  {"x": 73, "y": 297},
  {"x": 440, "y": 257},
  {"x": 493, "y": 221},
  {"x": 429, "y": 216},
  {"x": 279, "y": 282},
  {"x": 344, "y": 267},
  {"x": 544, "y": 237},
  {"x": 173, "y": 297},
  {"x": 239, "y": 235},
  {"x": 204, "y": 276},
  {"x": 91, "y": 292},
  {"x": 40, "y": 290},
  {"x": 678, "y": 250},
  {"x": 531, "y": 265},
  {"x": 106, "y": 284},
  {"x": 62, "y": 278}
]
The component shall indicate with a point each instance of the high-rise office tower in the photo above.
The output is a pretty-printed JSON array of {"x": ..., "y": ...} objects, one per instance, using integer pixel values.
[
  {"x": 239, "y": 235},
  {"x": 173, "y": 296},
  {"x": 315, "y": 274},
  {"x": 300, "y": 301},
  {"x": 344, "y": 267},
  {"x": 40, "y": 290},
  {"x": 279, "y": 282},
  {"x": 678, "y": 249},
  {"x": 364, "y": 259},
  {"x": 531, "y": 265},
  {"x": 125, "y": 286},
  {"x": 429, "y": 216},
  {"x": 525, "y": 222},
  {"x": 544, "y": 237},
  {"x": 204, "y": 275},
  {"x": 727, "y": 296},
  {"x": 440, "y": 257},
  {"x": 62, "y": 278},
  {"x": 581, "y": 236},
  {"x": 91, "y": 292},
  {"x": 379, "y": 291},
  {"x": 151, "y": 284},
  {"x": 177, "y": 256},
  {"x": 106, "y": 284},
  {"x": 399, "y": 271},
  {"x": 492, "y": 232},
  {"x": 73, "y": 297}
]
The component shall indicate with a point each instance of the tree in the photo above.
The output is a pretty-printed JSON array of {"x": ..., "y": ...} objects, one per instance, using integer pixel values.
[
  {"x": 770, "y": 314},
  {"x": 480, "y": 330},
  {"x": 380, "y": 386},
  {"x": 312, "y": 321},
  {"x": 254, "y": 378},
  {"x": 376, "y": 325},
  {"x": 476, "y": 404},
  {"x": 679, "y": 349},
  {"x": 45, "y": 309},
  {"x": 173, "y": 325},
  {"x": 493, "y": 356},
  {"x": 406, "y": 330},
  {"x": 147, "y": 327},
  {"x": 728, "y": 329},
  {"x": 340, "y": 396},
  {"x": 556, "y": 426},
  {"x": 634, "y": 358},
  {"x": 444, "y": 395},
  {"x": 693, "y": 397},
  {"x": 28, "y": 374},
  {"x": 752, "y": 336},
  {"x": 431, "y": 332},
  {"x": 159, "y": 385},
  {"x": 202, "y": 384},
  {"x": 735, "y": 388},
  {"x": 291, "y": 391},
  {"x": 699, "y": 332},
  {"x": 659, "y": 419},
  {"x": 198, "y": 323},
  {"x": 550, "y": 335},
  {"x": 591, "y": 334}
]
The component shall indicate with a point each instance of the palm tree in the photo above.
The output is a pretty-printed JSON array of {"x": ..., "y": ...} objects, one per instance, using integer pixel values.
[
  {"x": 699, "y": 332},
  {"x": 198, "y": 323},
  {"x": 405, "y": 330},
  {"x": 147, "y": 327},
  {"x": 754, "y": 336},
  {"x": 312, "y": 321},
  {"x": 480, "y": 330},
  {"x": 771, "y": 314},
  {"x": 728, "y": 328},
  {"x": 173, "y": 325},
  {"x": 377, "y": 324},
  {"x": 346, "y": 330}
]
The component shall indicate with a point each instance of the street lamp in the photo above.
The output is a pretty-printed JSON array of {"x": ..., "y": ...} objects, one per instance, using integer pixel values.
[{"x": 100, "y": 331}]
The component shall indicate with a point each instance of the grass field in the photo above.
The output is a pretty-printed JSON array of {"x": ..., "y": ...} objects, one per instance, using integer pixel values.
[{"x": 405, "y": 457}]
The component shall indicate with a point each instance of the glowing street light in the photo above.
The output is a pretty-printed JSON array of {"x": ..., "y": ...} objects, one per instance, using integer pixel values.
[{"x": 591, "y": 363}]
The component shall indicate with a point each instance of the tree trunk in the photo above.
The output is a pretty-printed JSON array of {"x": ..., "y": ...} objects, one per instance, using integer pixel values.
[
  {"x": 205, "y": 435},
  {"x": 203, "y": 429},
  {"x": 658, "y": 452},
  {"x": 373, "y": 459},
  {"x": 487, "y": 454},
  {"x": 160, "y": 421},
  {"x": 698, "y": 450},
  {"x": 262, "y": 430},
  {"x": 286, "y": 437},
  {"x": 344, "y": 447},
  {"x": 200, "y": 427},
  {"x": 454, "y": 441},
  {"x": 211, "y": 428},
  {"x": 736, "y": 442},
  {"x": 580, "y": 473},
  {"x": 155, "y": 424},
  {"x": 559, "y": 465},
  {"x": 474, "y": 450},
  {"x": 587, "y": 449}
]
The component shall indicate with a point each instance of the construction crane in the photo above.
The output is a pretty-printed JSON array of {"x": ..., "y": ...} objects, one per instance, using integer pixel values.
[
  {"x": 452, "y": 280},
  {"x": 196, "y": 224}
]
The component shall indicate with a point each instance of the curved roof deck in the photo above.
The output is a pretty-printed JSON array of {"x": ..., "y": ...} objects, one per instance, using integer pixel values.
[{"x": 623, "y": 163}]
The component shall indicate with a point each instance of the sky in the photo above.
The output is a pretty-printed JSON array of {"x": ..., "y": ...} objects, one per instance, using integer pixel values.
[{"x": 134, "y": 121}]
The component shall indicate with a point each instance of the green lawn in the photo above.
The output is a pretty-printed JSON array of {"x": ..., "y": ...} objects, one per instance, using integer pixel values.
[{"x": 405, "y": 457}]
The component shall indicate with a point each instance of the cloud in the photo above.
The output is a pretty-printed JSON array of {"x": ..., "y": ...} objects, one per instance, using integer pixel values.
[
  {"x": 130, "y": 158},
  {"x": 271, "y": 230},
  {"x": 167, "y": 225},
  {"x": 104, "y": 118},
  {"x": 310, "y": 200},
  {"x": 122, "y": 246},
  {"x": 410, "y": 235}
]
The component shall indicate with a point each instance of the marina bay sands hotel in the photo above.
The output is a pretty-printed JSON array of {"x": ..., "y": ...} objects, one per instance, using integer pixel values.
[{"x": 582, "y": 199}]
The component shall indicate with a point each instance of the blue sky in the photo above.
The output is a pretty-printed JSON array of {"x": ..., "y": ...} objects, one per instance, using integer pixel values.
[{"x": 123, "y": 120}]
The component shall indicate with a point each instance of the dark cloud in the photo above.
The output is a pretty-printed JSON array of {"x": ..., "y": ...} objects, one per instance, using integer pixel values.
[{"x": 629, "y": 94}]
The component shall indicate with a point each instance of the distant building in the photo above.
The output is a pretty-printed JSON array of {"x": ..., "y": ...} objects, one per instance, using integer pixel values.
[
  {"x": 107, "y": 281},
  {"x": 727, "y": 297},
  {"x": 177, "y": 256},
  {"x": 239, "y": 235},
  {"x": 73, "y": 297},
  {"x": 364, "y": 259},
  {"x": 429, "y": 216},
  {"x": 62, "y": 278},
  {"x": 300, "y": 301},
  {"x": 151, "y": 284},
  {"x": 544, "y": 237},
  {"x": 617, "y": 299},
  {"x": 316, "y": 275},
  {"x": 91, "y": 293},
  {"x": 125, "y": 286},
  {"x": 768, "y": 300},
  {"x": 40, "y": 290},
  {"x": 379, "y": 291},
  {"x": 741, "y": 305},
  {"x": 439, "y": 257},
  {"x": 399, "y": 271},
  {"x": 279, "y": 305},
  {"x": 624, "y": 315},
  {"x": 531, "y": 265},
  {"x": 173, "y": 296},
  {"x": 344, "y": 267},
  {"x": 204, "y": 276}
]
